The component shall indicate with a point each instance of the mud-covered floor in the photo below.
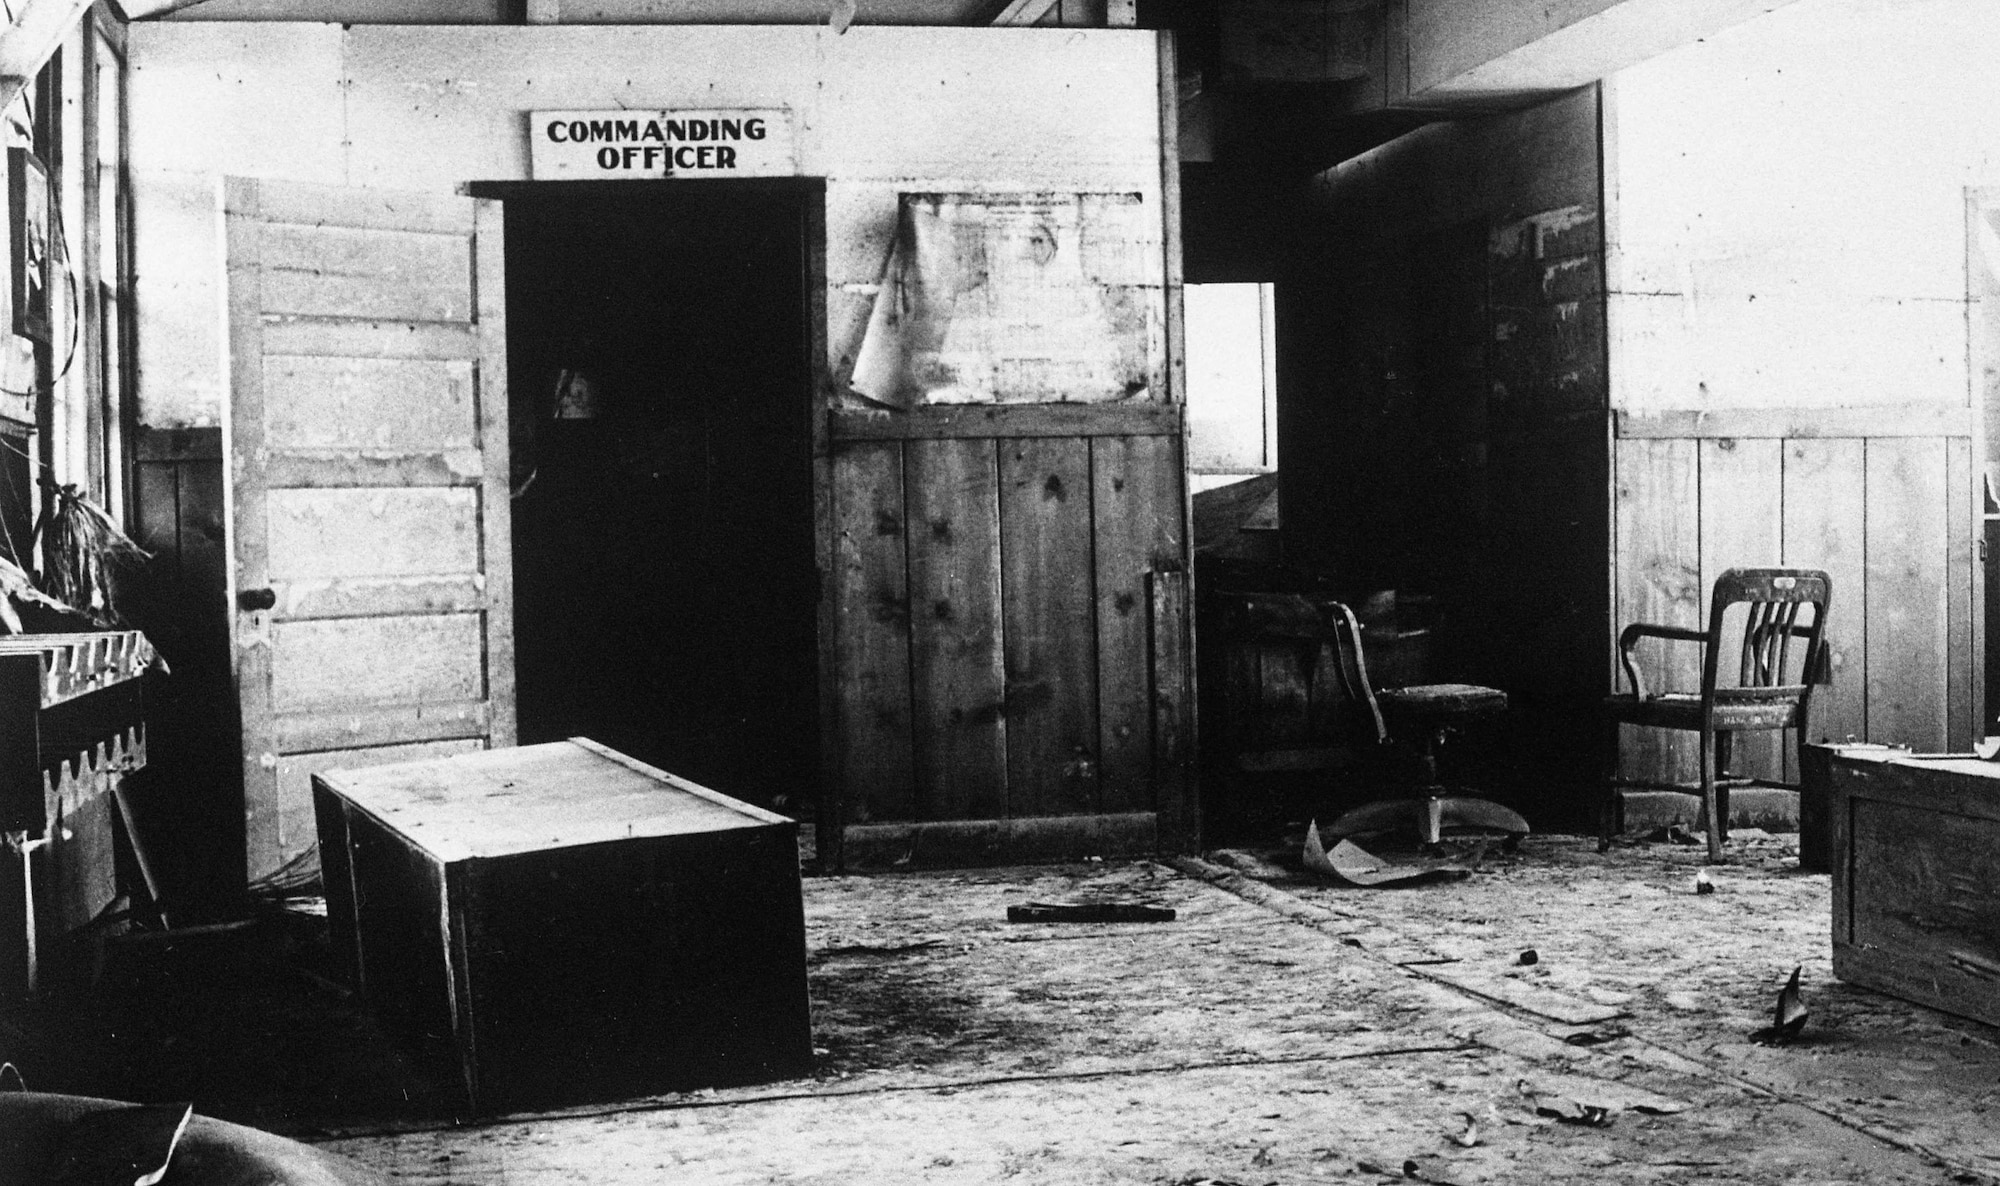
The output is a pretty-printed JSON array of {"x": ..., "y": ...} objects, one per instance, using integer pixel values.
[
  {"x": 1281, "y": 1029},
  {"x": 1284, "y": 1029}
]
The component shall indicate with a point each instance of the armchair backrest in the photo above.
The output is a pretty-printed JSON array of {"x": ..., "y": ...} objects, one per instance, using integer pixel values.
[{"x": 1776, "y": 597}]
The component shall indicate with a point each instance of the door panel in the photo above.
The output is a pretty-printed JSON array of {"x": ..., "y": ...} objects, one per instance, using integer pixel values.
[
  {"x": 1050, "y": 643},
  {"x": 369, "y": 522}
]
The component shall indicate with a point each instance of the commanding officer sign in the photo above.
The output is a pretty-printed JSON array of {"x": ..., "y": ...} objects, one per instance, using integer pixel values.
[{"x": 733, "y": 142}]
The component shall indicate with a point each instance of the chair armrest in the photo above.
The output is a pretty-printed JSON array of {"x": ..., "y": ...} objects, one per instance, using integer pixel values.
[{"x": 1630, "y": 636}]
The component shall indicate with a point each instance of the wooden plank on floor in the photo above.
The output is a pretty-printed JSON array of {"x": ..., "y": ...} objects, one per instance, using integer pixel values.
[
  {"x": 957, "y": 672},
  {"x": 872, "y": 632},
  {"x": 1965, "y": 662},
  {"x": 1742, "y": 519},
  {"x": 1659, "y": 580},
  {"x": 1136, "y": 502},
  {"x": 1907, "y": 614},
  {"x": 1051, "y": 626},
  {"x": 1825, "y": 522},
  {"x": 1522, "y": 994}
]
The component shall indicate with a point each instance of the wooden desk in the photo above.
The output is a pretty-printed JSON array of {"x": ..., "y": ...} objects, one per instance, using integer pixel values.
[
  {"x": 1916, "y": 878},
  {"x": 570, "y": 923}
]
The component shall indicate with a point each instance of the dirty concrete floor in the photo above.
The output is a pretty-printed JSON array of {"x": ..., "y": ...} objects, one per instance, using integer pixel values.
[{"x": 1284, "y": 1029}]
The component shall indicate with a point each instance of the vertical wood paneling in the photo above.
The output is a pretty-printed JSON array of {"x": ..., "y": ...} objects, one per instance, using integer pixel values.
[
  {"x": 1962, "y": 691},
  {"x": 1050, "y": 624},
  {"x": 1173, "y": 710},
  {"x": 1278, "y": 703},
  {"x": 957, "y": 671},
  {"x": 1136, "y": 498},
  {"x": 1825, "y": 522},
  {"x": 1659, "y": 581},
  {"x": 156, "y": 500},
  {"x": 1742, "y": 494},
  {"x": 831, "y": 812},
  {"x": 872, "y": 652},
  {"x": 1907, "y": 615}
]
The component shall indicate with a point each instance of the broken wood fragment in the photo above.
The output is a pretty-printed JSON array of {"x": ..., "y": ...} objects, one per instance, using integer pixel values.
[{"x": 1089, "y": 912}]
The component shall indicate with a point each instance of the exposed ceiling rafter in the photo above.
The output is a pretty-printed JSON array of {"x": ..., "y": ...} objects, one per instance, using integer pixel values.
[{"x": 30, "y": 40}]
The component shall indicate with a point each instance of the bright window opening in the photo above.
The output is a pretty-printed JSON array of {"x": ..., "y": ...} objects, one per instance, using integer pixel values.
[{"x": 1231, "y": 383}]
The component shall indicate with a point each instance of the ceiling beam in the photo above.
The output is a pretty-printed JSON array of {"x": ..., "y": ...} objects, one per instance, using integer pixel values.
[
  {"x": 1024, "y": 12},
  {"x": 1492, "y": 50},
  {"x": 27, "y": 44}
]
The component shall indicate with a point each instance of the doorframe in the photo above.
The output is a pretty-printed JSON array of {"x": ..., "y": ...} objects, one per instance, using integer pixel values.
[
  {"x": 1982, "y": 344},
  {"x": 811, "y": 192}
]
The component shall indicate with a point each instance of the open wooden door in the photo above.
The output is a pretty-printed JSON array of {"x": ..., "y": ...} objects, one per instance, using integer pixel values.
[{"x": 366, "y": 433}]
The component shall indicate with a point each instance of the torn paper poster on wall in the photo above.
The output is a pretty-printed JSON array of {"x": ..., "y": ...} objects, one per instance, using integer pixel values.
[{"x": 1017, "y": 298}]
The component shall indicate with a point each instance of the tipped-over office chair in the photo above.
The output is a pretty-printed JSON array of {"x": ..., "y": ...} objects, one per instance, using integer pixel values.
[{"x": 1773, "y": 689}]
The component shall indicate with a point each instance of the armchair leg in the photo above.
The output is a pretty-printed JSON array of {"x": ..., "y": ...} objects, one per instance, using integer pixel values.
[{"x": 1709, "y": 797}]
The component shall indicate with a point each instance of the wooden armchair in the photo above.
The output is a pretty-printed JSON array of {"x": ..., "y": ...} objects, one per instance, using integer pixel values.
[{"x": 1771, "y": 692}]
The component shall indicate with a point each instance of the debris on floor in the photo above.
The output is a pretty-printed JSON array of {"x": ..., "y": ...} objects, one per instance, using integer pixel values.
[
  {"x": 1352, "y": 863},
  {"x": 1089, "y": 912},
  {"x": 1286, "y": 1028},
  {"x": 1583, "y": 1099},
  {"x": 1788, "y": 1017}
]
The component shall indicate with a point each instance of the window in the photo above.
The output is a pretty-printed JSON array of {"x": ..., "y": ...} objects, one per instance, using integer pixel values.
[
  {"x": 106, "y": 256},
  {"x": 63, "y": 388},
  {"x": 1231, "y": 382}
]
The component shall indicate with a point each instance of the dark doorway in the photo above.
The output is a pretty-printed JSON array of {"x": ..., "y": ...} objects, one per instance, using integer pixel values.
[{"x": 659, "y": 377}]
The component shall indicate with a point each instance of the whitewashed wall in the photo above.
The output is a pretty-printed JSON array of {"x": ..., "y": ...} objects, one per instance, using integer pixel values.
[
  {"x": 1791, "y": 376},
  {"x": 878, "y": 110},
  {"x": 1787, "y": 215}
]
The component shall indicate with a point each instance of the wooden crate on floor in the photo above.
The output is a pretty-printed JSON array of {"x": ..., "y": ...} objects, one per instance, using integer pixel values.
[
  {"x": 1916, "y": 878},
  {"x": 572, "y": 924}
]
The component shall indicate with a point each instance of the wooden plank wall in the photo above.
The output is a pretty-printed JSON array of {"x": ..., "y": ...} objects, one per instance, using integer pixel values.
[
  {"x": 1887, "y": 514},
  {"x": 995, "y": 634},
  {"x": 187, "y": 800}
]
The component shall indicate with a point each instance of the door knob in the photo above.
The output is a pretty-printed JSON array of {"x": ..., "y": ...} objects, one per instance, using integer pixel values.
[{"x": 256, "y": 599}]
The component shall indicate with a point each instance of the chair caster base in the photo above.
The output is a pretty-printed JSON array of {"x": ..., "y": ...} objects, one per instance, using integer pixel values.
[{"x": 1430, "y": 816}]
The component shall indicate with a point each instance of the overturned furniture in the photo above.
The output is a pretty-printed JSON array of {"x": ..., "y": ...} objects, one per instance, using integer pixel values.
[
  {"x": 1773, "y": 689},
  {"x": 72, "y": 728},
  {"x": 1916, "y": 877},
  {"x": 568, "y": 924}
]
